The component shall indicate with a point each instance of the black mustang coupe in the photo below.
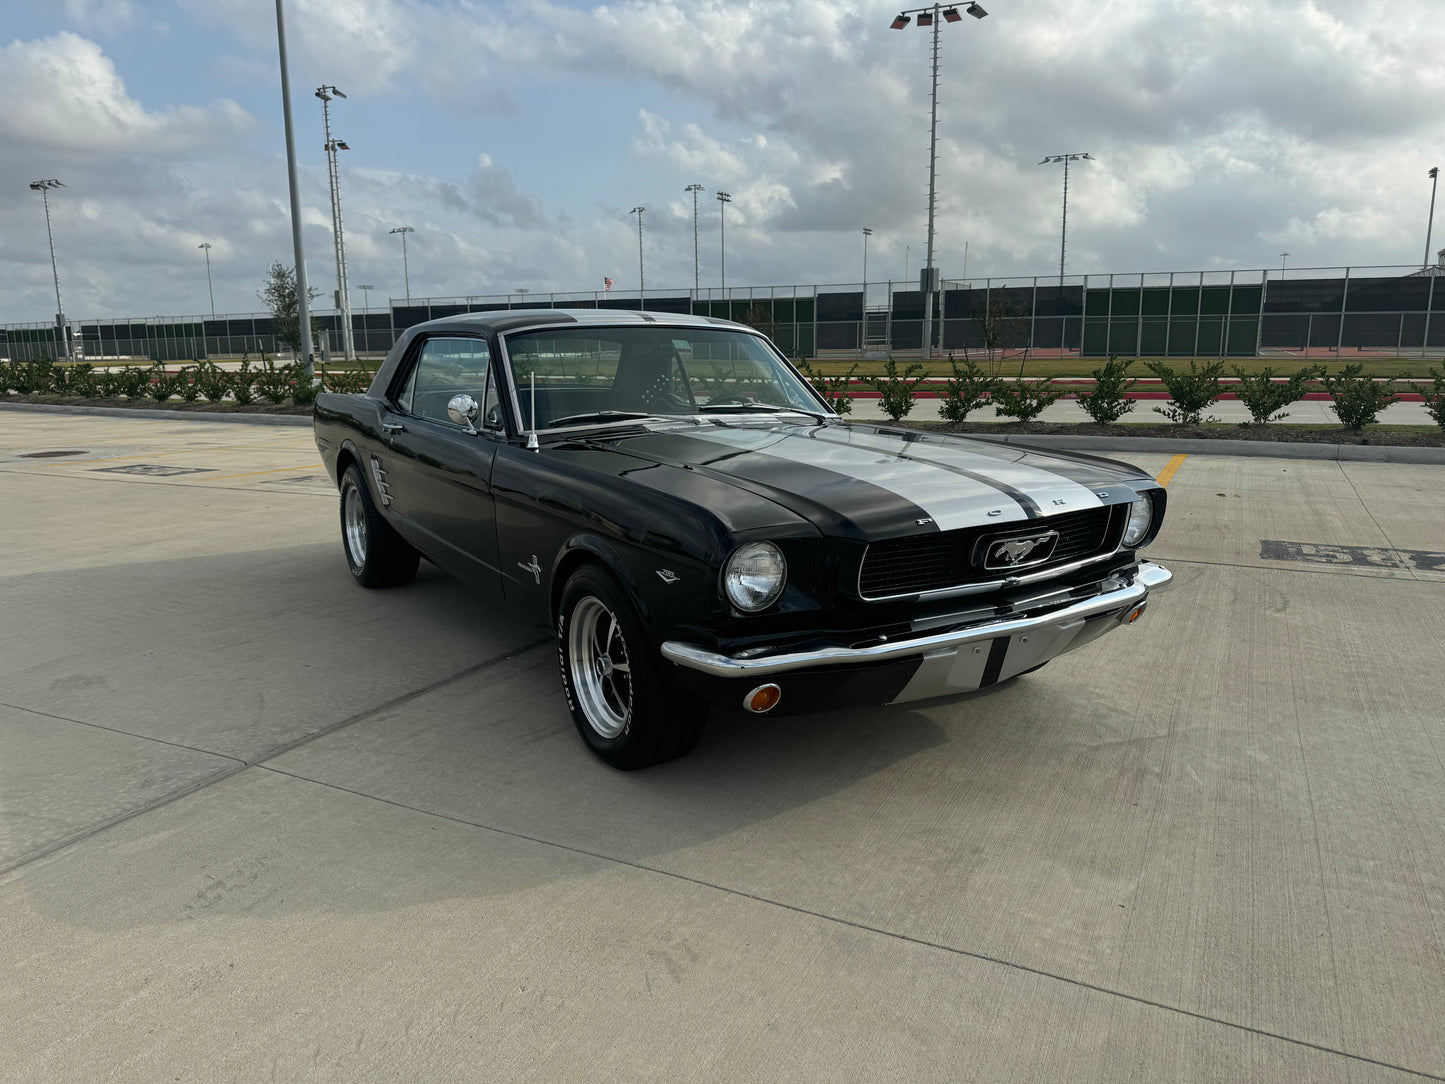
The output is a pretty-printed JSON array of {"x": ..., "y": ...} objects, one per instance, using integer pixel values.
[{"x": 670, "y": 497}]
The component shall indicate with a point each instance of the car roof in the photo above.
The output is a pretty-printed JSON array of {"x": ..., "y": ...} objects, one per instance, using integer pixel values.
[{"x": 500, "y": 320}]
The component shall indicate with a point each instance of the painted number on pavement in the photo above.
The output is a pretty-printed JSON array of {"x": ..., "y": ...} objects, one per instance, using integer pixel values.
[{"x": 1369, "y": 556}]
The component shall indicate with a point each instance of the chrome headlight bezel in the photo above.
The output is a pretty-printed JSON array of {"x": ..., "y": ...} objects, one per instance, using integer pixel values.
[
  {"x": 1141, "y": 519},
  {"x": 754, "y": 575}
]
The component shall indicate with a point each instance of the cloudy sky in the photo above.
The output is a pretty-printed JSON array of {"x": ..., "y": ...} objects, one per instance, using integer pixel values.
[{"x": 515, "y": 137}]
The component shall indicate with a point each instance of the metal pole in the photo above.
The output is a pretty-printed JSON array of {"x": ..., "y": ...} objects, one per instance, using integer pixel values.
[
  {"x": 696, "y": 280},
  {"x": 209, "y": 288},
  {"x": 641, "y": 282},
  {"x": 303, "y": 289},
  {"x": 338, "y": 239},
  {"x": 1430, "y": 224},
  {"x": 405, "y": 267},
  {"x": 43, "y": 187},
  {"x": 932, "y": 192},
  {"x": 723, "y": 198},
  {"x": 867, "y": 233}
]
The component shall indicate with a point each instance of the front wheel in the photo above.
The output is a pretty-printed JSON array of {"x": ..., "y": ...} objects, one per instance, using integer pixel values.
[
  {"x": 375, "y": 553},
  {"x": 626, "y": 706}
]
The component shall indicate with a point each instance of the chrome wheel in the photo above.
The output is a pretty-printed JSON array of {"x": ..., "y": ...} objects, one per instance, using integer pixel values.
[
  {"x": 600, "y": 668},
  {"x": 353, "y": 519}
]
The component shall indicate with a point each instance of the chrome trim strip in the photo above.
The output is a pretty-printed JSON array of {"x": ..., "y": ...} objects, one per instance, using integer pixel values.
[{"x": 1149, "y": 577}]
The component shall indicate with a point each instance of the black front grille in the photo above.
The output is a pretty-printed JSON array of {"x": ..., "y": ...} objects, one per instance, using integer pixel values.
[{"x": 906, "y": 566}]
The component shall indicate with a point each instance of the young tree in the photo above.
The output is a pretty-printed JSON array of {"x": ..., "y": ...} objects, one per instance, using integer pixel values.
[
  {"x": 1001, "y": 324},
  {"x": 278, "y": 294}
]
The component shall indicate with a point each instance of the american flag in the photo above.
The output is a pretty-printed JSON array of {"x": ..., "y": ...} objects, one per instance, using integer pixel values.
[{"x": 606, "y": 283}]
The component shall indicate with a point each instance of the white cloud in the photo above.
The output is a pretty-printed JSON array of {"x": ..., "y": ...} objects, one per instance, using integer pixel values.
[{"x": 63, "y": 92}]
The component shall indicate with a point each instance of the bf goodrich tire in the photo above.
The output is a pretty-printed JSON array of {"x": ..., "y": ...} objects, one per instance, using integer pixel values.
[{"x": 626, "y": 704}]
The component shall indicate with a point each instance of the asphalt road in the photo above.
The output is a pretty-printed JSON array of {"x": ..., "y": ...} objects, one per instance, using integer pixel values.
[{"x": 256, "y": 822}]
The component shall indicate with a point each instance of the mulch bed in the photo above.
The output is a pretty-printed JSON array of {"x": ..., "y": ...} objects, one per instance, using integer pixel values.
[
  {"x": 176, "y": 405},
  {"x": 1280, "y": 433}
]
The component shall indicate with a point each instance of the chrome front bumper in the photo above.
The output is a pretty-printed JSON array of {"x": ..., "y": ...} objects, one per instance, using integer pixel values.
[{"x": 957, "y": 660}]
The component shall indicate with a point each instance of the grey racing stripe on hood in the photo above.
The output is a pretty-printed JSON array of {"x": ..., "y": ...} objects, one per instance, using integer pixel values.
[
  {"x": 1048, "y": 493},
  {"x": 951, "y": 498}
]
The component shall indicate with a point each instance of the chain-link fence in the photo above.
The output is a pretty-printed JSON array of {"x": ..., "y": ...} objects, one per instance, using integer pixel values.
[{"x": 1305, "y": 312}]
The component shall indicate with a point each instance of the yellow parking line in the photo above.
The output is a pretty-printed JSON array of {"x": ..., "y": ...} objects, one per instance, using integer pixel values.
[
  {"x": 184, "y": 451},
  {"x": 1168, "y": 472},
  {"x": 252, "y": 474}
]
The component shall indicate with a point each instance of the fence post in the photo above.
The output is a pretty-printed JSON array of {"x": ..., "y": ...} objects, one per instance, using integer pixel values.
[{"x": 1344, "y": 300}]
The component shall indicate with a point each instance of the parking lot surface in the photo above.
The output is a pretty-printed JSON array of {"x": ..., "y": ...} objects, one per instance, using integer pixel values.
[{"x": 256, "y": 822}]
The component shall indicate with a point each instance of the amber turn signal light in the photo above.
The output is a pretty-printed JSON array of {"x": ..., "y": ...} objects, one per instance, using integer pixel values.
[{"x": 763, "y": 698}]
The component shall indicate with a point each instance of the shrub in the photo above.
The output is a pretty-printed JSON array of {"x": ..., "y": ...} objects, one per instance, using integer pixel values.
[
  {"x": 967, "y": 390},
  {"x": 1435, "y": 398},
  {"x": 895, "y": 389},
  {"x": 34, "y": 375},
  {"x": 837, "y": 390},
  {"x": 1265, "y": 399},
  {"x": 1025, "y": 400},
  {"x": 303, "y": 391},
  {"x": 187, "y": 386},
  {"x": 1190, "y": 393},
  {"x": 1358, "y": 399},
  {"x": 6, "y": 369},
  {"x": 79, "y": 379},
  {"x": 345, "y": 381},
  {"x": 243, "y": 382},
  {"x": 161, "y": 385},
  {"x": 274, "y": 383},
  {"x": 132, "y": 381},
  {"x": 1109, "y": 400},
  {"x": 212, "y": 381}
]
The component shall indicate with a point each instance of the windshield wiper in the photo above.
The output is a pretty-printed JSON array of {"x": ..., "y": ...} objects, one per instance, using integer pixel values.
[
  {"x": 766, "y": 408},
  {"x": 597, "y": 416}
]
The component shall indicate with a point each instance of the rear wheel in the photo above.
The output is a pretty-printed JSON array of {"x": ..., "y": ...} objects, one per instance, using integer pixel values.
[
  {"x": 626, "y": 705},
  {"x": 375, "y": 553}
]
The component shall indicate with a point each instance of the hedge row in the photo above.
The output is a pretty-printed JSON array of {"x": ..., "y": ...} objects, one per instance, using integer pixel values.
[
  {"x": 201, "y": 380},
  {"x": 1357, "y": 399}
]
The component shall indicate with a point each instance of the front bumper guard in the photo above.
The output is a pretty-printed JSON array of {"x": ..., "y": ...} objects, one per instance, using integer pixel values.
[{"x": 1062, "y": 625}]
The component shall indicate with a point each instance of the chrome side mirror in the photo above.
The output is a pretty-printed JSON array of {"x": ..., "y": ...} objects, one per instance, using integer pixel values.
[{"x": 463, "y": 410}]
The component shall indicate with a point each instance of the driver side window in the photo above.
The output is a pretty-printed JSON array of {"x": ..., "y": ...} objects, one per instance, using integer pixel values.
[{"x": 447, "y": 367}]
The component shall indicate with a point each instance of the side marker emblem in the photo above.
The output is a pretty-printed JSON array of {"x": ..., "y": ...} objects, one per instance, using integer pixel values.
[
  {"x": 534, "y": 568},
  {"x": 667, "y": 575}
]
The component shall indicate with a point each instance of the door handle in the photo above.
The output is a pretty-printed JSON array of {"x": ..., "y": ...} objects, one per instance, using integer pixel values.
[{"x": 393, "y": 427}]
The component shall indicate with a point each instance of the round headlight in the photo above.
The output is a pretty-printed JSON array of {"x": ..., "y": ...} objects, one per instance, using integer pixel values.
[
  {"x": 754, "y": 575},
  {"x": 1141, "y": 516}
]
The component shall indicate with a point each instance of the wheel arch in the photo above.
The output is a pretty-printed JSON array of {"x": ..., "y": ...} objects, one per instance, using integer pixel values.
[{"x": 584, "y": 549}]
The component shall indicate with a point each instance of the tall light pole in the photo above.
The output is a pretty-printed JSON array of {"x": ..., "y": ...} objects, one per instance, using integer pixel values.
[
  {"x": 405, "y": 267},
  {"x": 641, "y": 287},
  {"x": 343, "y": 294},
  {"x": 1285, "y": 255},
  {"x": 44, "y": 187},
  {"x": 365, "y": 288},
  {"x": 696, "y": 281},
  {"x": 1434, "y": 176},
  {"x": 867, "y": 233},
  {"x": 1064, "y": 230},
  {"x": 723, "y": 199},
  {"x": 930, "y": 16},
  {"x": 209, "y": 288},
  {"x": 303, "y": 288}
]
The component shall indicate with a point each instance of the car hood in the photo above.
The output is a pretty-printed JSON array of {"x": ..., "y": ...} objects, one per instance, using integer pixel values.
[{"x": 871, "y": 482}]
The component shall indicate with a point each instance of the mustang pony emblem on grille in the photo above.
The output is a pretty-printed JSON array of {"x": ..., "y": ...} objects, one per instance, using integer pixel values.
[{"x": 1017, "y": 552}]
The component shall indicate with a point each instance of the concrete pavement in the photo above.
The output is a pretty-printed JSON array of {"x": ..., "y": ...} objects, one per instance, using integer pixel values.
[{"x": 257, "y": 822}]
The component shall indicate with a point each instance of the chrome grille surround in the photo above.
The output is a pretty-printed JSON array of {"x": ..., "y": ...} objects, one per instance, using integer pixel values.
[{"x": 952, "y": 562}]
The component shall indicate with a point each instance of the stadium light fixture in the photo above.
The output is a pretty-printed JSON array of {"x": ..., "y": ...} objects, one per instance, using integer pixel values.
[{"x": 928, "y": 280}]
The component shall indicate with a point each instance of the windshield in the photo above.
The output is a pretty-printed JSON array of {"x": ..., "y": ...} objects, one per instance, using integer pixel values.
[{"x": 590, "y": 375}]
